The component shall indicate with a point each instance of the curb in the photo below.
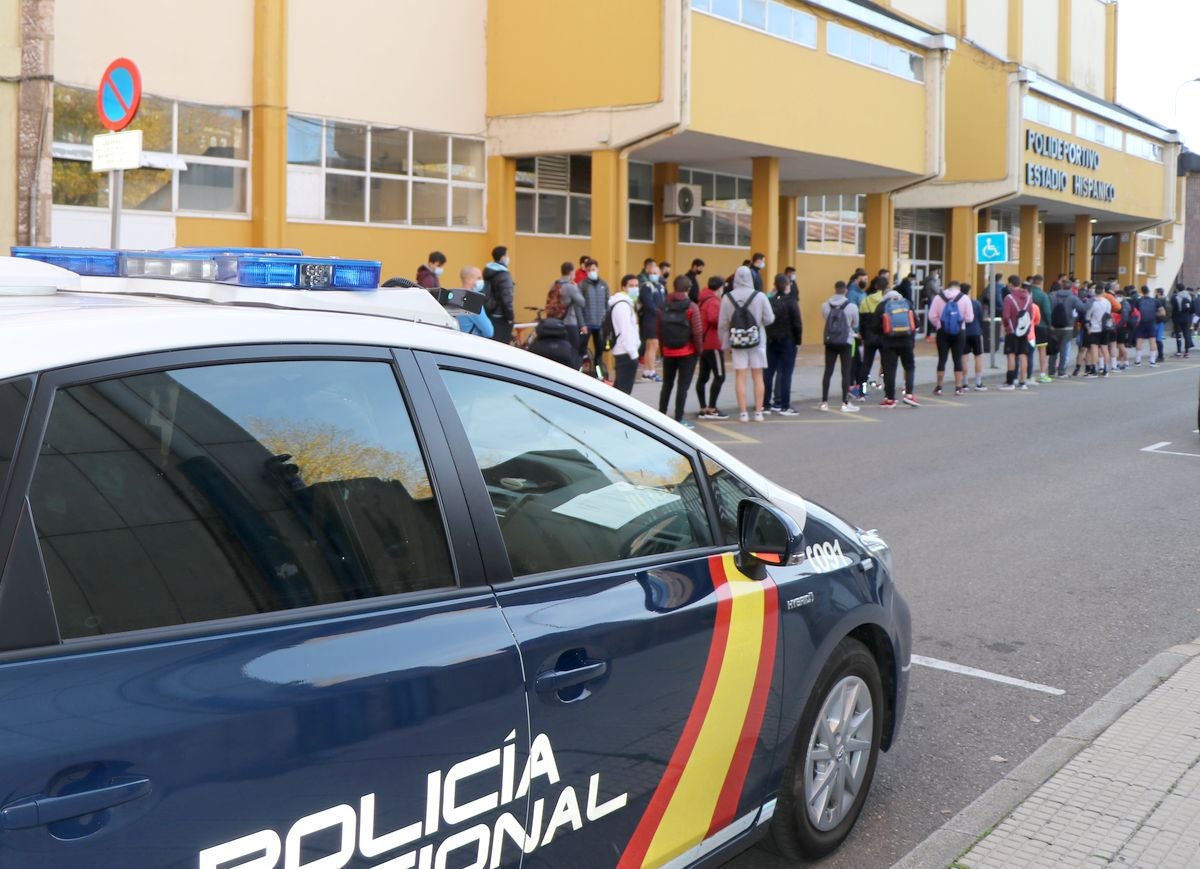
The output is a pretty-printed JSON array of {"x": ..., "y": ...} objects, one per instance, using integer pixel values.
[{"x": 960, "y": 833}]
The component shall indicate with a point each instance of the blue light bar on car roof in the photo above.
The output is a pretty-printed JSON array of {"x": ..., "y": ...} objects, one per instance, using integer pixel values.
[
  {"x": 96, "y": 262},
  {"x": 237, "y": 251},
  {"x": 175, "y": 264},
  {"x": 299, "y": 272}
]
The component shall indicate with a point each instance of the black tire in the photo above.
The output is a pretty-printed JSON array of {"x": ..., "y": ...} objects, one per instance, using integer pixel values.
[{"x": 792, "y": 833}]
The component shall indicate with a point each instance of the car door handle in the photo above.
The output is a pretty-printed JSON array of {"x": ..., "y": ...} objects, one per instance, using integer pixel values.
[
  {"x": 41, "y": 809},
  {"x": 866, "y": 564},
  {"x": 557, "y": 680}
]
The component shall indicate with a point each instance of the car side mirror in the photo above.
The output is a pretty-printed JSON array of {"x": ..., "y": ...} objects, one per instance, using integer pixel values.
[{"x": 767, "y": 536}]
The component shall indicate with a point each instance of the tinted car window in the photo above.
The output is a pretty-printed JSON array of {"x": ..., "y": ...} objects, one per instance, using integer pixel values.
[
  {"x": 572, "y": 486},
  {"x": 14, "y": 395},
  {"x": 225, "y": 490},
  {"x": 728, "y": 491}
]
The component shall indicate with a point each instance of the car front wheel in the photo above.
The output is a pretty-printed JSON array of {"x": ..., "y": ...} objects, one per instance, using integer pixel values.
[{"x": 833, "y": 761}]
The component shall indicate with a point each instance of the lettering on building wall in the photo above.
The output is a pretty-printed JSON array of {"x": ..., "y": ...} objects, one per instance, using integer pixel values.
[{"x": 1050, "y": 178}]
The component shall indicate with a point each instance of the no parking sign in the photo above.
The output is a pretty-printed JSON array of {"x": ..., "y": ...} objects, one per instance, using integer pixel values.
[{"x": 119, "y": 94}]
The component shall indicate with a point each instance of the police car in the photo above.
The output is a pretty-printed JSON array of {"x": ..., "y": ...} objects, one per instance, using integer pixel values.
[{"x": 293, "y": 577}]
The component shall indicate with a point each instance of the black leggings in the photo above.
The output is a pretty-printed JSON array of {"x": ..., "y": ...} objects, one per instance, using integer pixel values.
[
  {"x": 682, "y": 367},
  {"x": 711, "y": 362},
  {"x": 870, "y": 348},
  {"x": 950, "y": 345},
  {"x": 893, "y": 354},
  {"x": 835, "y": 353}
]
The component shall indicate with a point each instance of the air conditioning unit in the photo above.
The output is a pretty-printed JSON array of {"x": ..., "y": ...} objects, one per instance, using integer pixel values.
[{"x": 681, "y": 201}]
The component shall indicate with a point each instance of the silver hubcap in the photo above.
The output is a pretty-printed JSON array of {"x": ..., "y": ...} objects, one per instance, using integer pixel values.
[{"x": 839, "y": 750}]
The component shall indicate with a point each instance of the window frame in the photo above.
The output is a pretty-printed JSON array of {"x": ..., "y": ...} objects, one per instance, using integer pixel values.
[
  {"x": 630, "y": 201},
  {"x": 687, "y": 176},
  {"x": 28, "y": 587},
  {"x": 568, "y": 197},
  {"x": 833, "y": 38},
  {"x": 839, "y": 226},
  {"x": 487, "y": 527}
]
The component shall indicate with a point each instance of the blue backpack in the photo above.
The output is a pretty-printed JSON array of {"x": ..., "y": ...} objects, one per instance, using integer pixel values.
[
  {"x": 898, "y": 317},
  {"x": 952, "y": 318}
]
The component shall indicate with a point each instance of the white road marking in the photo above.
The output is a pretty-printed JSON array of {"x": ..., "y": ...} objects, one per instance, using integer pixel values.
[
  {"x": 935, "y": 664},
  {"x": 1158, "y": 448}
]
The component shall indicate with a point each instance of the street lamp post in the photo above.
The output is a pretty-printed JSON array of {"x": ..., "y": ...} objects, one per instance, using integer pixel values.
[{"x": 1178, "y": 93}]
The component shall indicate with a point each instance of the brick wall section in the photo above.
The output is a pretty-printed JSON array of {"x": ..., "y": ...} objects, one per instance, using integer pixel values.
[{"x": 1191, "y": 244}]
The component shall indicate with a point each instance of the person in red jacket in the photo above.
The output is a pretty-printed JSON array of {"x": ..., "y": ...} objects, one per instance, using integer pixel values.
[
  {"x": 681, "y": 337},
  {"x": 712, "y": 359}
]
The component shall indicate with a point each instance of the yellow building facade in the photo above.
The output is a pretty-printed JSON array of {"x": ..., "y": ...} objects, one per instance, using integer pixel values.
[{"x": 828, "y": 134}]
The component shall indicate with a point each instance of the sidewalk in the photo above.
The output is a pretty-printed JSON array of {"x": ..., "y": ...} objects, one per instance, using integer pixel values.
[{"x": 1118, "y": 786}]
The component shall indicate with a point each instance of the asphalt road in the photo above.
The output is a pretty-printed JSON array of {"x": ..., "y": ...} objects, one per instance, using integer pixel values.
[{"x": 1033, "y": 537}]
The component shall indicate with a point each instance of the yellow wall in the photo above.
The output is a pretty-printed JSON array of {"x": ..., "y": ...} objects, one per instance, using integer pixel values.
[
  {"x": 815, "y": 276},
  {"x": 550, "y": 55},
  {"x": 732, "y": 64},
  {"x": 976, "y": 140},
  {"x": 1139, "y": 182}
]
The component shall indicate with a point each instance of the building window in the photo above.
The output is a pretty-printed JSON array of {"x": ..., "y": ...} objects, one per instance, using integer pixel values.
[
  {"x": 554, "y": 195},
  {"x": 1148, "y": 244},
  {"x": 212, "y": 141},
  {"x": 1048, "y": 114},
  {"x": 725, "y": 214},
  {"x": 1143, "y": 148},
  {"x": 1094, "y": 131},
  {"x": 641, "y": 201},
  {"x": 832, "y": 224},
  {"x": 858, "y": 47},
  {"x": 777, "y": 19},
  {"x": 355, "y": 173}
]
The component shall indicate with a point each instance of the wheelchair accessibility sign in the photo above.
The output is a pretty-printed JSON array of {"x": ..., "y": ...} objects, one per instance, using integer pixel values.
[{"x": 991, "y": 247}]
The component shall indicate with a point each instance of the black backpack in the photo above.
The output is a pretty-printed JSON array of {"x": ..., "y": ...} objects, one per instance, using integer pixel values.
[
  {"x": 1059, "y": 318},
  {"x": 608, "y": 333},
  {"x": 676, "y": 325},
  {"x": 743, "y": 328}
]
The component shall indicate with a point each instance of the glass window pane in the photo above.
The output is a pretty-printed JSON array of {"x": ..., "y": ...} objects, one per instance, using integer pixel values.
[
  {"x": 155, "y": 118},
  {"x": 745, "y": 188},
  {"x": 525, "y": 213},
  {"x": 228, "y": 490},
  {"x": 686, "y": 228},
  {"x": 779, "y": 21},
  {"x": 641, "y": 181},
  {"x": 305, "y": 185},
  {"x": 13, "y": 396},
  {"x": 920, "y": 248},
  {"x": 527, "y": 172},
  {"x": 389, "y": 200},
  {"x": 641, "y": 222},
  {"x": 581, "y": 215},
  {"x": 345, "y": 146},
  {"x": 804, "y": 29},
  {"x": 74, "y": 183},
  {"x": 431, "y": 155},
  {"x": 726, "y": 189},
  {"x": 754, "y": 13},
  {"x": 700, "y": 4},
  {"x": 860, "y": 47},
  {"x": 214, "y": 131},
  {"x": 838, "y": 39},
  {"x": 213, "y": 188},
  {"x": 303, "y": 141},
  {"x": 75, "y": 118},
  {"x": 592, "y": 490},
  {"x": 551, "y": 214},
  {"x": 728, "y": 491},
  {"x": 345, "y": 197},
  {"x": 937, "y": 248},
  {"x": 743, "y": 229},
  {"x": 801, "y": 230},
  {"x": 861, "y": 250},
  {"x": 430, "y": 204},
  {"x": 581, "y": 173},
  {"x": 466, "y": 206},
  {"x": 389, "y": 151},
  {"x": 702, "y": 228},
  {"x": 147, "y": 189},
  {"x": 468, "y": 160},
  {"x": 726, "y": 228},
  {"x": 707, "y": 184},
  {"x": 726, "y": 9}
]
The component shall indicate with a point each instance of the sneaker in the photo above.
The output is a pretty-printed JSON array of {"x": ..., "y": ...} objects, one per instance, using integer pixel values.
[
  {"x": 787, "y": 411},
  {"x": 824, "y": 405},
  {"x": 1091, "y": 375},
  {"x": 1153, "y": 364},
  {"x": 888, "y": 402},
  {"x": 960, "y": 391},
  {"x": 648, "y": 375},
  {"x": 1023, "y": 386},
  {"x": 704, "y": 414},
  {"x": 1045, "y": 378},
  {"x": 654, "y": 377},
  {"x": 1075, "y": 373},
  {"x": 937, "y": 390},
  {"x": 911, "y": 400},
  {"x": 743, "y": 417},
  {"x": 1007, "y": 387},
  {"x": 686, "y": 423},
  {"x": 979, "y": 387},
  {"x": 758, "y": 416},
  {"x": 1104, "y": 374},
  {"x": 850, "y": 408},
  {"x": 1135, "y": 364},
  {"x": 857, "y": 394},
  {"x": 716, "y": 414}
]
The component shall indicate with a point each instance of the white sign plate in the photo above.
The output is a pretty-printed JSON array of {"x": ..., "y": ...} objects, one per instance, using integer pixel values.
[{"x": 121, "y": 150}]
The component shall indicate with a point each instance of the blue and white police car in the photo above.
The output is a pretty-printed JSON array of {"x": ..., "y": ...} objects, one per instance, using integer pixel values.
[{"x": 293, "y": 577}]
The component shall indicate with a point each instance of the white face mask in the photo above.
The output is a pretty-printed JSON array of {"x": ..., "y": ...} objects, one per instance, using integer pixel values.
[
  {"x": 632, "y": 292},
  {"x": 437, "y": 270},
  {"x": 653, "y": 279},
  {"x": 504, "y": 260},
  {"x": 593, "y": 275},
  {"x": 759, "y": 265},
  {"x": 478, "y": 285}
]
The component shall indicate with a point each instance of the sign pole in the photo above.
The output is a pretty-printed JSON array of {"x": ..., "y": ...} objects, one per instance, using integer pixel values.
[
  {"x": 991, "y": 307},
  {"x": 116, "y": 192}
]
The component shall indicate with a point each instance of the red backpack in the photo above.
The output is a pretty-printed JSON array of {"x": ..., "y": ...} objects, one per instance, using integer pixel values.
[{"x": 555, "y": 306}]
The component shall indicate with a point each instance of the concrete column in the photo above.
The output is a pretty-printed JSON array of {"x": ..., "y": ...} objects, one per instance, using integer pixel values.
[
  {"x": 1016, "y": 32},
  {"x": 502, "y": 203},
  {"x": 268, "y": 169},
  {"x": 960, "y": 261},
  {"x": 1031, "y": 242},
  {"x": 1056, "y": 250},
  {"x": 1110, "y": 52},
  {"x": 788, "y": 241},
  {"x": 1064, "y": 45},
  {"x": 1083, "y": 247},
  {"x": 610, "y": 212},
  {"x": 764, "y": 226},
  {"x": 666, "y": 235},
  {"x": 881, "y": 233},
  {"x": 956, "y": 18},
  {"x": 1127, "y": 258}
]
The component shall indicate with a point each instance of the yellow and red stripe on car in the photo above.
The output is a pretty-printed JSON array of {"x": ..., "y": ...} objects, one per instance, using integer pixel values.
[{"x": 702, "y": 786}]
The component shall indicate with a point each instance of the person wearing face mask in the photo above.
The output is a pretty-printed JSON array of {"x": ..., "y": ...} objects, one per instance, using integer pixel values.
[
  {"x": 430, "y": 273},
  {"x": 758, "y": 262},
  {"x": 651, "y": 296},
  {"x": 471, "y": 278},
  {"x": 693, "y": 277},
  {"x": 595, "y": 295},
  {"x": 625, "y": 338},
  {"x": 572, "y": 305},
  {"x": 498, "y": 290}
]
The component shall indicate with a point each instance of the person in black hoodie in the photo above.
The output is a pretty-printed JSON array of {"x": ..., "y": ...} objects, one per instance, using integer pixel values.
[
  {"x": 555, "y": 343},
  {"x": 498, "y": 289},
  {"x": 783, "y": 336}
]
